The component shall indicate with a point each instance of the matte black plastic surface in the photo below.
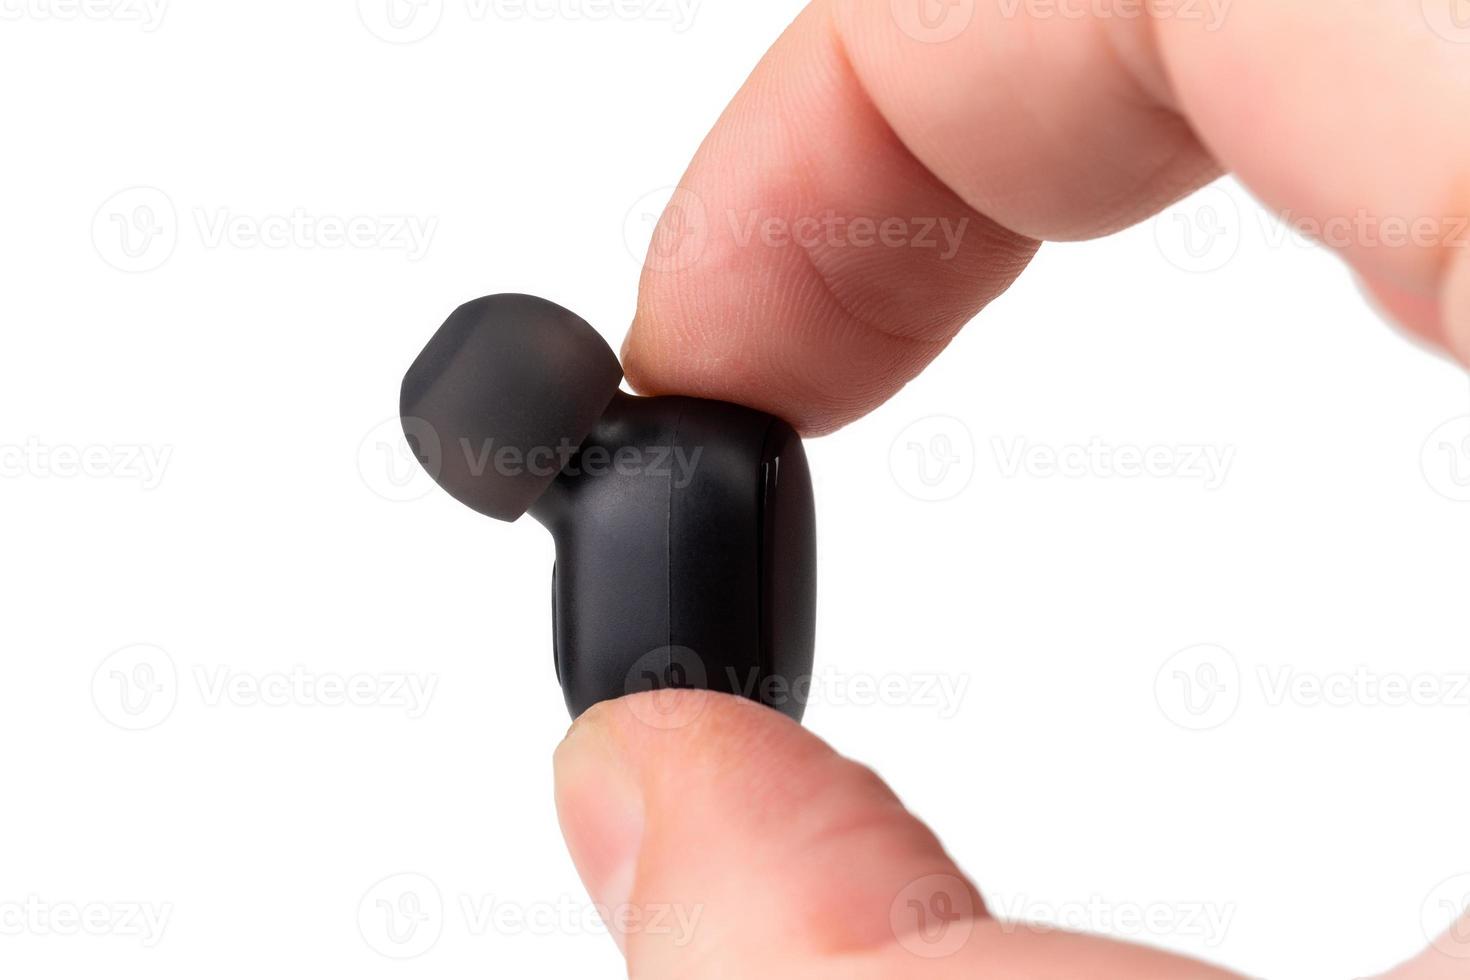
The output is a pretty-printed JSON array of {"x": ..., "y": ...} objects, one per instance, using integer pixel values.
[
  {"x": 693, "y": 565},
  {"x": 685, "y": 529},
  {"x": 511, "y": 385}
]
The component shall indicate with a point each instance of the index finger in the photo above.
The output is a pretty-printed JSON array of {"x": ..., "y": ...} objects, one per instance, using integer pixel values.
[{"x": 891, "y": 165}]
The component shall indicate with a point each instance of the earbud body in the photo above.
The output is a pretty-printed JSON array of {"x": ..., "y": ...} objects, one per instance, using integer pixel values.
[{"x": 685, "y": 528}]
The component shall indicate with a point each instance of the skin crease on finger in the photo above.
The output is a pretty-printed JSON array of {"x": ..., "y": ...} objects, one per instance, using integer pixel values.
[{"x": 1026, "y": 127}]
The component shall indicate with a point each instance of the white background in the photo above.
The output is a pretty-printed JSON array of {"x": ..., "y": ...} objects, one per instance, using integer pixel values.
[{"x": 268, "y": 536}]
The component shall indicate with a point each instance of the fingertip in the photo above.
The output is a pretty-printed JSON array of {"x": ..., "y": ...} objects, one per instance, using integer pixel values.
[
  {"x": 815, "y": 369},
  {"x": 739, "y": 801}
]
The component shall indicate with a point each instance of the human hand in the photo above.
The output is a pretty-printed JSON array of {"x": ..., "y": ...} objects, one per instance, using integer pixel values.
[
  {"x": 1348, "y": 116},
  {"x": 1017, "y": 128}
]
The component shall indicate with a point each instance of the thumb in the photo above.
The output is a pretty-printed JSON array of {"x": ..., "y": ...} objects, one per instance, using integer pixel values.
[
  {"x": 721, "y": 839},
  {"x": 752, "y": 839}
]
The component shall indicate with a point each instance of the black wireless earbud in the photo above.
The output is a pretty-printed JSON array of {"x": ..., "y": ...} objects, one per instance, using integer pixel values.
[{"x": 685, "y": 528}]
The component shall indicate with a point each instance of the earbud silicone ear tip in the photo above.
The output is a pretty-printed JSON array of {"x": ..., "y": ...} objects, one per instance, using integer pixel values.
[{"x": 511, "y": 385}]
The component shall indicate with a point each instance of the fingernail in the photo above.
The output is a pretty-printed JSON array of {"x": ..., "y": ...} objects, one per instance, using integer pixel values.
[{"x": 600, "y": 806}]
